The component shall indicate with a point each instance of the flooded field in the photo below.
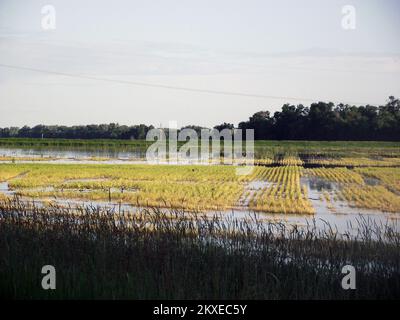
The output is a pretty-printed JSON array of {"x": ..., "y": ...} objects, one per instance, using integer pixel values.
[
  {"x": 286, "y": 192},
  {"x": 298, "y": 216},
  {"x": 66, "y": 155}
]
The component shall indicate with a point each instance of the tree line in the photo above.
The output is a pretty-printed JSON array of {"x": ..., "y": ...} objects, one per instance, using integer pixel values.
[
  {"x": 326, "y": 121},
  {"x": 93, "y": 131},
  {"x": 319, "y": 121}
]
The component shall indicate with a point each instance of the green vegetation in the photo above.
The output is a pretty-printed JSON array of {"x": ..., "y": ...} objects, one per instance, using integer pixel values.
[
  {"x": 286, "y": 144},
  {"x": 319, "y": 121},
  {"x": 99, "y": 254},
  {"x": 334, "y": 153},
  {"x": 73, "y": 143},
  {"x": 326, "y": 121},
  {"x": 165, "y": 246}
]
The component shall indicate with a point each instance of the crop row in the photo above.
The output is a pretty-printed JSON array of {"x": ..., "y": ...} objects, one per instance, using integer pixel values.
[
  {"x": 390, "y": 177},
  {"x": 341, "y": 175},
  {"x": 371, "y": 197},
  {"x": 356, "y": 162},
  {"x": 190, "y": 196},
  {"x": 285, "y": 195}
]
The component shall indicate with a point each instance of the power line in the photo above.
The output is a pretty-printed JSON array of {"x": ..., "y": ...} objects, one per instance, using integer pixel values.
[{"x": 169, "y": 87}]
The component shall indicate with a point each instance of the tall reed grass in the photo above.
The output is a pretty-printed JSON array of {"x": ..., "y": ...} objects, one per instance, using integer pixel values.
[{"x": 108, "y": 253}]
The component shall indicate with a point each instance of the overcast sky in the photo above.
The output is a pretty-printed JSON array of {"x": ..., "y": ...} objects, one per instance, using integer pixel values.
[{"x": 137, "y": 61}]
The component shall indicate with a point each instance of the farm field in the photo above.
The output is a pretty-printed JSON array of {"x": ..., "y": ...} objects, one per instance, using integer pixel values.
[
  {"x": 196, "y": 188},
  {"x": 174, "y": 231},
  {"x": 364, "y": 175},
  {"x": 282, "y": 187},
  {"x": 290, "y": 182},
  {"x": 264, "y": 150}
]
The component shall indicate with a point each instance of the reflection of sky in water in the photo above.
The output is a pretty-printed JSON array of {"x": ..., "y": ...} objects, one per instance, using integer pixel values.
[
  {"x": 337, "y": 214},
  {"x": 75, "y": 154}
]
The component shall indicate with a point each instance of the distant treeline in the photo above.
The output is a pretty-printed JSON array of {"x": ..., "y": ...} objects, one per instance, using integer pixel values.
[
  {"x": 93, "y": 131},
  {"x": 319, "y": 121},
  {"x": 326, "y": 121}
]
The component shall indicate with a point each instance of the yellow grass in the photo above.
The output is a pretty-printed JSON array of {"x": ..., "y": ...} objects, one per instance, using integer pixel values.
[
  {"x": 357, "y": 162},
  {"x": 341, "y": 175},
  {"x": 371, "y": 197},
  {"x": 390, "y": 177},
  {"x": 189, "y": 187},
  {"x": 286, "y": 195}
]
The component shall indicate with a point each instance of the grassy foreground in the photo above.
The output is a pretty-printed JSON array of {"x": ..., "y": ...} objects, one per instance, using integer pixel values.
[{"x": 99, "y": 253}]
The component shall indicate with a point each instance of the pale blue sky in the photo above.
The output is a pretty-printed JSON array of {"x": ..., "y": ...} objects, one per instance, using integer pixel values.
[{"x": 294, "y": 49}]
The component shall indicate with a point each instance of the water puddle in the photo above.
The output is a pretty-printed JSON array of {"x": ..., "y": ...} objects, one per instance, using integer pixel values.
[
  {"x": 371, "y": 181},
  {"x": 5, "y": 189},
  {"x": 329, "y": 209},
  {"x": 251, "y": 189}
]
